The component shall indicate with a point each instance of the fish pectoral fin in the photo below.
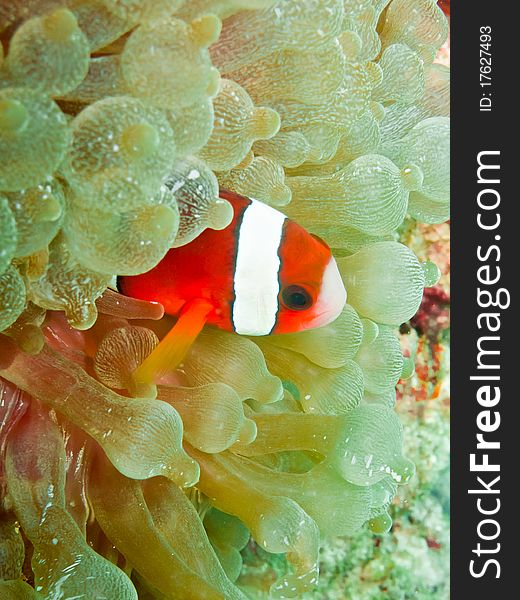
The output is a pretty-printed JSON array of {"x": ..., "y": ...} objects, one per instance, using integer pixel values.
[{"x": 171, "y": 350}]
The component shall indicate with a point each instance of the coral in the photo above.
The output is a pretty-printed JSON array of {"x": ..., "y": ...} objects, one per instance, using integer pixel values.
[
  {"x": 119, "y": 120},
  {"x": 34, "y": 138},
  {"x": 48, "y": 53},
  {"x": 263, "y": 179}
]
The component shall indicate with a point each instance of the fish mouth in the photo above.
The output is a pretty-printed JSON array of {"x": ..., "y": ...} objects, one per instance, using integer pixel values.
[
  {"x": 325, "y": 318},
  {"x": 332, "y": 297}
]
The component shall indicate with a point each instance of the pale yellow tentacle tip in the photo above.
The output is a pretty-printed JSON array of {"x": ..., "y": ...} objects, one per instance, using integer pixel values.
[{"x": 205, "y": 30}]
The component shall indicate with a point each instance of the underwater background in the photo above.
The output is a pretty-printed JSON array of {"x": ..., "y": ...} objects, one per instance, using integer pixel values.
[{"x": 261, "y": 467}]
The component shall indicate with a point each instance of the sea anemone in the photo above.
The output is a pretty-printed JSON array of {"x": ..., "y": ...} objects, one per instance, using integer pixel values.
[{"x": 119, "y": 120}]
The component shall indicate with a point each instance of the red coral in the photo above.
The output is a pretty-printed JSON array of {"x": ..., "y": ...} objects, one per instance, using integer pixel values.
[{"x": 433, "y": 315}]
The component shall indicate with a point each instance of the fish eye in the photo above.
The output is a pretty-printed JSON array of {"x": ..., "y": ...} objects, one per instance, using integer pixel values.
[{"x": 295, "y": 297}]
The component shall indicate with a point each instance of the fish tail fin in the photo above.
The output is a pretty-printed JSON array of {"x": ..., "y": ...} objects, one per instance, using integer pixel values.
[{"x": 171, "y": 350}]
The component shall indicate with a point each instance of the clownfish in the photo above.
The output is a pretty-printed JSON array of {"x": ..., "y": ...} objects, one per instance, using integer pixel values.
[
  {"x": 262, "y": 274},
  {"x": 445, "y": 5}
]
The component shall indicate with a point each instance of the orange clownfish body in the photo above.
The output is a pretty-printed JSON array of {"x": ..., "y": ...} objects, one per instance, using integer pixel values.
[
  {"x": 445, "y": 5},
  {"x": 262, "y": 274}
]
